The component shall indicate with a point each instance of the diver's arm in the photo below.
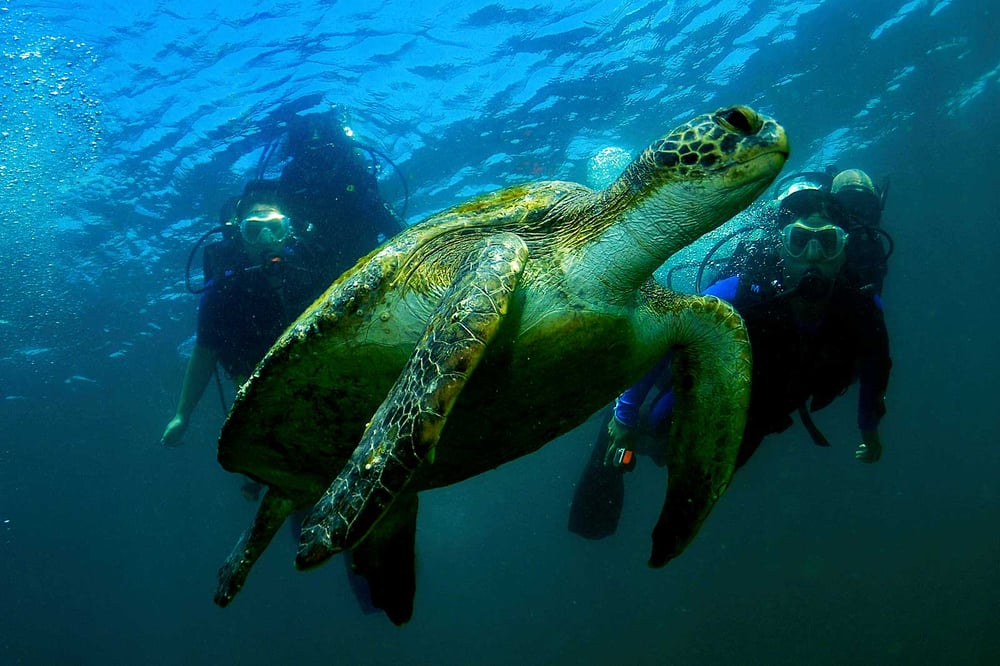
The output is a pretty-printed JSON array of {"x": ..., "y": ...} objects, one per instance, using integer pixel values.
[
  {"x": 726, "y": 289},
  {"x": 199, "y": 371},
  {"x": 621, "y": 427},
  {"x": 874, "y": 382},
  {"x": 870, "y": 449},
  {"x": 625, "y": 418},
  {"x": 630, "y": 401}
]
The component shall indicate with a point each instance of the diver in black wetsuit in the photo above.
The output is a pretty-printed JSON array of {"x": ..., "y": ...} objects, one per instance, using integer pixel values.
[
  {"x": 283, "y": 243},
  {"x": 815, "y": 324}
]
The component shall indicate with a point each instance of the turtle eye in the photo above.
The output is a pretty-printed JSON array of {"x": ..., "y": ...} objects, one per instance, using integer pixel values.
[{"x": 739, "y": 119}]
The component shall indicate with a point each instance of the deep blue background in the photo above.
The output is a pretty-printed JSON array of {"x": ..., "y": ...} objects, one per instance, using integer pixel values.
[{"x": 122, "y": 128}]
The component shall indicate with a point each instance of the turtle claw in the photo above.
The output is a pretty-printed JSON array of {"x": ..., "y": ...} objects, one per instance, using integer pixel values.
[
  {"x": 666, "y": 546},
  {"x": 325, "y": 530},
  {"x": 315, "y": 546},
  {"x": 231, "y": 578}
]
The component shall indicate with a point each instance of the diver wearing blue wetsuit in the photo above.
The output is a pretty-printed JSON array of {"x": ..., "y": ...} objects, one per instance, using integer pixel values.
[{"x": 814, "y": 330}]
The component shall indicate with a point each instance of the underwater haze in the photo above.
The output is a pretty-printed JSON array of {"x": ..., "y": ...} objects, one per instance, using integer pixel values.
[{"x": 125, "y": 126}]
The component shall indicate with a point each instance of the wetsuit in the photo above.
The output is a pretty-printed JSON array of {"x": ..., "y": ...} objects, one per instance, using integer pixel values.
[
  {"x": 867, "y": 257},
  {"x": 248, "y": 302},
  {"x": 338, "y": 195},
  {"x": 333, "y": 201}
]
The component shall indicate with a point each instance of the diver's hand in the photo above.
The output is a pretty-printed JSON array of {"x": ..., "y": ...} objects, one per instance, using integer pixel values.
[
  {"x": 621, "y": 451},
  {"x": 870, "y": 450},
  {"x": 174, "y": 432}
]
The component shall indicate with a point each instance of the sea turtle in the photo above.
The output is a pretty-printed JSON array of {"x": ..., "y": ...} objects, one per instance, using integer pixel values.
[{"x": 484, "y": 332}]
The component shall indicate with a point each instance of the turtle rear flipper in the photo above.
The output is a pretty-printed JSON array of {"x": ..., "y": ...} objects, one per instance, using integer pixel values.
[
  {"x": 386, "y": 559},
  {"x": 711, "y": 383},
  {"x": 408, "y": 424},
  {"x": 273, "y": 511}
]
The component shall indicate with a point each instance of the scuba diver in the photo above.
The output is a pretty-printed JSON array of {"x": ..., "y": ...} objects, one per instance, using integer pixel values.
[
  {"x": 862, "y": 203},
  {"x": 815, "y": 324},
  {"x": 331, "y": 184},
  {"x": 258, "y": 278},
  {"x": 283, "y": 242}
]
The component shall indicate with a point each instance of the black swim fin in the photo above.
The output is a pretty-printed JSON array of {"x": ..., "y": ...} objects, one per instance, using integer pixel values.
[
  {"x": 600, "y": 493},
  {"x": 387, "y": 560}
]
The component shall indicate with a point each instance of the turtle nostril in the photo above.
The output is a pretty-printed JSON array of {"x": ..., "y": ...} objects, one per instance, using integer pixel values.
[{"x": 741, "y": 119}]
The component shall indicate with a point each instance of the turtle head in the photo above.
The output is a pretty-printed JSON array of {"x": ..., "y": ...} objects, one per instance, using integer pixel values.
[
  {"x": 684, "y": 185},
  {"x": 710, "y": 168},
  {"x": 719, "y": 143}
]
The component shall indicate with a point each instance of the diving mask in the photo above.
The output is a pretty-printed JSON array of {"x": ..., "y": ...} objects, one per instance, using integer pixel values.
[
  {"x": 265, "y": 228},
  {"x": 825, "y": 242}
]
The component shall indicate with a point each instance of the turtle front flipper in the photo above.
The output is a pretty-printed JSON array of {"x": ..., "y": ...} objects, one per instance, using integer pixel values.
[
  {"x": 407, "y": 425},
  {"x": 711, "y": 383},
  {"x": 273, "y": 511}
]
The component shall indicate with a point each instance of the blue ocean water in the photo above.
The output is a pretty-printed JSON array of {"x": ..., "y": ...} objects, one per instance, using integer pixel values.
[{"x": 124, "y": 126}]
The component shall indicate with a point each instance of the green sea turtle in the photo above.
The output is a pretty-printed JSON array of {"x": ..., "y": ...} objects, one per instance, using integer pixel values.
[{"x": 484, "y": 332}]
